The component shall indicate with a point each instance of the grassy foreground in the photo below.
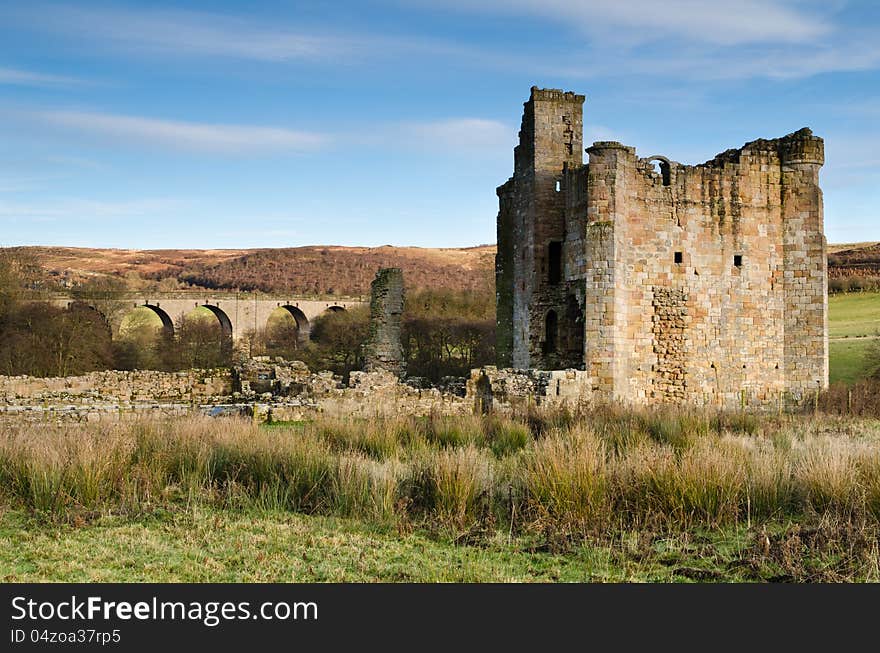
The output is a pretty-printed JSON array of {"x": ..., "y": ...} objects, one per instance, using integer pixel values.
[
  {"x": 604, "y": 495},
  {"x": 222, "y": 546}
]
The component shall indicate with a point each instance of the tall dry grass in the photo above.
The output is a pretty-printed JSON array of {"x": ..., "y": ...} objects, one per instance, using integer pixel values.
[{"x": 553, "y": 473}]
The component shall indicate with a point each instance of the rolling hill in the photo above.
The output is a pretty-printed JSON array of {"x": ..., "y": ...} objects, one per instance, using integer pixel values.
[
  {"x": 320, "y": 270},
  {"x": 314, "y": 270}
]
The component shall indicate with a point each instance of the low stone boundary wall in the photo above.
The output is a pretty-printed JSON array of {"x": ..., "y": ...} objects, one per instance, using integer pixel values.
[{"x": 116, "y": 387}]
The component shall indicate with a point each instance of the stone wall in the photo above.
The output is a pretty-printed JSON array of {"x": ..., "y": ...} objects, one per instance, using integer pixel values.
[
  {"x": 191, "y": 386},
  {"x": 262, "y": 389},
  {"x": 384, "y": 350},
  {"x": 112, "y": 395}
]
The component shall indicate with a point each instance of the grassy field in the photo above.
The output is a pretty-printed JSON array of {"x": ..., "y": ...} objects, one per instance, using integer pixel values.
[
  {"x": 853, "y": 322},
  {"x": 853, "y": 314},
  {"x": 848, "y": 361},
  {"x": 606, "y": 495},
  {"x": 210, "y": 545}
]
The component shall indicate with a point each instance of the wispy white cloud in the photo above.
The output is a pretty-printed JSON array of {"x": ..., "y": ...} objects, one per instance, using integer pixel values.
[
  {"x": 18, "y": 184},
  {"x": 454, "y": 134},
  {"x": 19, "y": 77},
  {"x": 730, "y": 22},
  {"x": 735, "y": 39},
  {"x": 176, "y": 32},
  {"x": 855, "y": 53},
  {"x": 87, "y": 209},
  {"x": 185, "y": 33},
  {"x": 193, "y": 136},
  {"x": 685, "y": 39}
]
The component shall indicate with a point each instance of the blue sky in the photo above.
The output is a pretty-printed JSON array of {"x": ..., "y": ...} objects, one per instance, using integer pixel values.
[{"x": 269, "y": 124}]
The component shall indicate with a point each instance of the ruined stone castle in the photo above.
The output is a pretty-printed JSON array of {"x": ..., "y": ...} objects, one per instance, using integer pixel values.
[{"x": 662, "y": 282}]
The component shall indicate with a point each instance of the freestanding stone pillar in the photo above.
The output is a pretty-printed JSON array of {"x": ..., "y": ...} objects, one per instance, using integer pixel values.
[{"x": 384, "y": 349}]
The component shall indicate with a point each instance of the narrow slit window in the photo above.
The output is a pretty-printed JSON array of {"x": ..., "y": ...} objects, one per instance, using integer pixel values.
[
  {"x": 551, "y": 332},
  {"x": 678, "y": 258},
  {"x": 554, "y": 275},
  {"x": 738, "y": 260}
]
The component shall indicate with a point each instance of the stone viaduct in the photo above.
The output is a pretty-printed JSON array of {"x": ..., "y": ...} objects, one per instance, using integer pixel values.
[{"x": 237, "y": 313}]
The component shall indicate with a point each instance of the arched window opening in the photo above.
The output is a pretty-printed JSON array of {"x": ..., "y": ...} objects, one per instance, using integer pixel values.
[{"x": 662, "y": 168}]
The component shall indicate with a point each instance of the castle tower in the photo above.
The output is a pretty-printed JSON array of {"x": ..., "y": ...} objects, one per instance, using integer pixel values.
[
  {"x": 806, "y": 274},
  {"x": 531, "y": 293}
]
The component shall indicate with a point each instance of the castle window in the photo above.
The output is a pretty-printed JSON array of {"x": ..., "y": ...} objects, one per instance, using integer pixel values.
[
  {"x": 664, "y": 173},
  {"x": 555, "y": 263},
  {"x": 662, "y": 167},
  {"x": 738, "y": 260},
  {"x": 678, "y": 257},
  {"x": 551, "y": 333}
]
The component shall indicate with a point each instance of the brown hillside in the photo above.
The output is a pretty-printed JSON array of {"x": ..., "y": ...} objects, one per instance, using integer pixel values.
[
  {"x": 854, "y": 260},
  {"x": 316, "y": 270},
  {"x": 323, "y": 270}
]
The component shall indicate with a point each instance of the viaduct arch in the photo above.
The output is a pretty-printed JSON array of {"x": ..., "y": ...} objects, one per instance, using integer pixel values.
[{"x": 237, "y": 313}]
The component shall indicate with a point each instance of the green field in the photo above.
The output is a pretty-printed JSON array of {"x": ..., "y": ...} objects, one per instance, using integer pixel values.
[
  {"x": 854, "y": 314},
  {"x": 210, "y": 546},
  {"x": 847, "y": 360},
  {"x": 853, "y": 323}
]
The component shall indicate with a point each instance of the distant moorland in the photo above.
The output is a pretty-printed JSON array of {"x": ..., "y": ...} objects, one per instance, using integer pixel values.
[
  {"x": 314, "y": 270},
  {"x": 341, "y": 271}
]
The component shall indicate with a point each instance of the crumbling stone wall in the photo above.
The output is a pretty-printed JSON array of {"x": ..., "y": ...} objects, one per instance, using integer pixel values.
[
  {"x": 144, "y": 386},
  {"x": 505, "y": 390},
  {"x": 703, "y": 284},
  {"x": 112, "y": 395},
  {"x": 384, "y": 350},
  {"x": 261, "y": 389}
]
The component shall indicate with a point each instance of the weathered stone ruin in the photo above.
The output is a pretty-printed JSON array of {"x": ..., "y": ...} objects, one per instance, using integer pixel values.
[
  {"x": 662, "y": 282},
  {"x": 384, "y": 351},
  {"x": 266, "y": 388}
]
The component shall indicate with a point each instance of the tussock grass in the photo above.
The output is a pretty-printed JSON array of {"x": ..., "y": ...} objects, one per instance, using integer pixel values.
[
  {"x": 565, "y": 478},
  {"x": 555, "y": 473}
]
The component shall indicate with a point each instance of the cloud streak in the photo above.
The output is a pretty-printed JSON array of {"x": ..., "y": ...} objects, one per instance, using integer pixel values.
[
  {"x": 736, "y": 39},
  {"x": 18, "y": 77},
  {"x": 731, "y": 22},
  {"x": 84, "y": 209},
  {"x": 188, "y": 136},
  {"x": 183, "y": 33},
  {"x": 455, "y": 134},
  {"x": 176, "y": 32}
]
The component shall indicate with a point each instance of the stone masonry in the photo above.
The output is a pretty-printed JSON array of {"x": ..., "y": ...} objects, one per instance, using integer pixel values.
[
  {"x": 663, "y": 282},
  {"x": 274, "y": 389},
  {"x": 384, "y": 350}
]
